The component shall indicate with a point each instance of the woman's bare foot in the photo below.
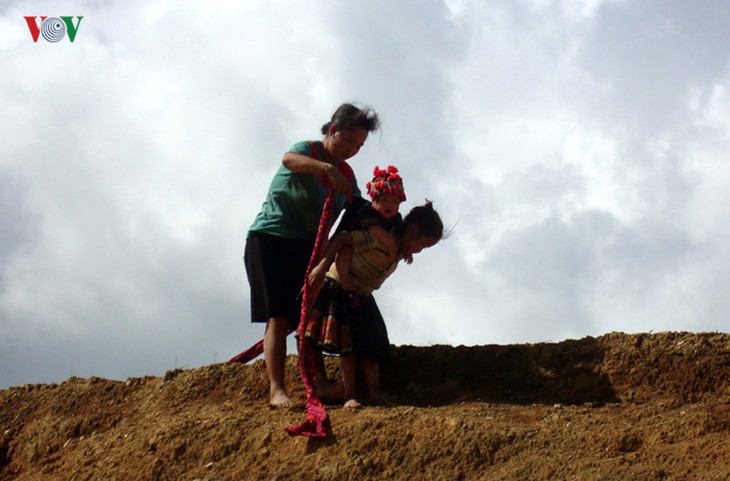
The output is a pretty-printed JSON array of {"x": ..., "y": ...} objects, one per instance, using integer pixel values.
[
  {"x": 352, "y": 404},
  {"x": 280, "y": 399}
]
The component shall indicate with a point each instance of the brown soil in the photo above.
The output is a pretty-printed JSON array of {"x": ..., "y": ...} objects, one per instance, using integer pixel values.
[{"x": 616, "y": 407}]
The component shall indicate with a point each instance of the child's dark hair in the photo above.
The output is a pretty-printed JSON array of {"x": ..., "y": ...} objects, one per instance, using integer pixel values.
[
  {"x": 348, "y": 116},
  {"x": 427, "y": 219}
]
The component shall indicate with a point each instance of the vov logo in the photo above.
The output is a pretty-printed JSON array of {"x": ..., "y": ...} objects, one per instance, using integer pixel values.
[{"x": 53, "y": 29}]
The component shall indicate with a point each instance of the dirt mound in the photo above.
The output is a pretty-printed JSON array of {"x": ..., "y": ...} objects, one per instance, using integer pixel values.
[{"x": 616, "y": 407}]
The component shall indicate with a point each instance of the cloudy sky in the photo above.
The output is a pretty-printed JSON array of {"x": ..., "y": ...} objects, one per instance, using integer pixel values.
[{"x": 578, "y": 148}]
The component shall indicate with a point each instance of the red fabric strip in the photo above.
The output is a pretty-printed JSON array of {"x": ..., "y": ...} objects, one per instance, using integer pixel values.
[{"x": 315, "y": 423}]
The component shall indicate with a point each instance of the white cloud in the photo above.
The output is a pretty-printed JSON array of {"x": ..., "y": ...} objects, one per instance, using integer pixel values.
[{"x": 578, "y": 149}]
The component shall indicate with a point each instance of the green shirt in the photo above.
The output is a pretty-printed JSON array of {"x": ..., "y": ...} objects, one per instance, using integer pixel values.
[{"x": 294, "y": 202}]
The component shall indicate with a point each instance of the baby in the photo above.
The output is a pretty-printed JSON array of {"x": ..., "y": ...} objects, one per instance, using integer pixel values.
[{"x": 380, "y": 218}]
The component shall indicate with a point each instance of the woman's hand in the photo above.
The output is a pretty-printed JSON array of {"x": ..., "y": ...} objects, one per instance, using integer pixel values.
[{"x": 338, "y": 181}]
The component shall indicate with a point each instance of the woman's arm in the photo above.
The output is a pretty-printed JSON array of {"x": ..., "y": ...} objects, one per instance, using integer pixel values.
[{"x": 303, "y": 164}]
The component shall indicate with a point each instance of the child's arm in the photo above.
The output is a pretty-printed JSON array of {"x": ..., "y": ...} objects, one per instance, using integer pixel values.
[
  {"x": 344, "y": 257},
  {"x": 384, "y": 238},
  {"x": 303, "y": 164},
  {"x": 316, "y": 276}
]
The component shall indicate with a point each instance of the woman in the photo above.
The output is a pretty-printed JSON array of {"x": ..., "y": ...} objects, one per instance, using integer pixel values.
[{"x": 281, "y": 238}]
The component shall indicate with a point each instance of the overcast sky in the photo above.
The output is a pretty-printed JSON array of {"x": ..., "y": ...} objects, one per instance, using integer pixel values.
[{"x": 578, "y": 148}]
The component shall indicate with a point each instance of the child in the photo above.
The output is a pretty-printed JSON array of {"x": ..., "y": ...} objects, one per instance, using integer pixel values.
[
  {"x": 280, "y": 240},
  {"x": 380, "y": 218},
  {"x": 346, "y": 324}
]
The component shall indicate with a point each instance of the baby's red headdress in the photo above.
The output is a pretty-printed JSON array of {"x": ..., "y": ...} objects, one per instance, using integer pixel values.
[{"x": 386, "y": 181}]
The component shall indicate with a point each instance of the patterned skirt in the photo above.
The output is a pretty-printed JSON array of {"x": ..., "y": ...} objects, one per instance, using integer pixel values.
[{"x": 343, "y": 322}]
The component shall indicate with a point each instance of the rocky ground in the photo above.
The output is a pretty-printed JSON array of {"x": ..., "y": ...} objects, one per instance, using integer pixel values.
[{"x": 616, "y": 407}]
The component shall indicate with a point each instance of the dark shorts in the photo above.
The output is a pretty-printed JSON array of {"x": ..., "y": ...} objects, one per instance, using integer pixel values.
[{"x": 275, "y": 268}]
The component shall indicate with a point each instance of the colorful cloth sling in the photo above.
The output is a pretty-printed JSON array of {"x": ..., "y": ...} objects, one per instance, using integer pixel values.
[{"x": 315, "y": 423}]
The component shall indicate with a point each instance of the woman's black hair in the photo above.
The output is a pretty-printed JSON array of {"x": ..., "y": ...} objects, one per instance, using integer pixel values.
[
  {"x": 348, "y": 116},
  {"x": 427, "y": 219}
]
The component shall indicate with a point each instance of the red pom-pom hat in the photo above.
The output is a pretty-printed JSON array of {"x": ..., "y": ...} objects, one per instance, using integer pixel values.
[{"x": 386, "y": 181}]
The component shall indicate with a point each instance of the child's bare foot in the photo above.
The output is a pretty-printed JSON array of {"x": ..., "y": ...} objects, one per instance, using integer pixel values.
[
  {"x": 330, "y": 391},
  {"x": 280, "y": 399},
  {"x": 352, "y": 404}
]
